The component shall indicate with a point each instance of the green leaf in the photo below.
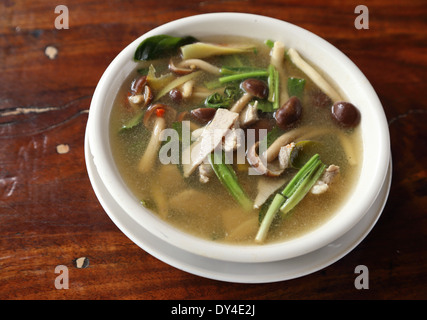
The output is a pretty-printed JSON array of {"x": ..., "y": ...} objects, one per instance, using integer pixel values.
[
  {"x": 134, "y": 121},
  {"x": 217, "y": 100},
  {"x": 160, "y": 46},
  {"x": 296, "y": 87},
  {"x": 228, "y": 178},
  {"x": 272, "y": 135},
  {"x": 143, "y": 71},
  {"x": 269, "y": 43},
  {"x": 265, "y": 106}
]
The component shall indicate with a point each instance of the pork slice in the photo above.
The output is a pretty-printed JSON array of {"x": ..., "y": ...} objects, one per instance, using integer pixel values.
[
  {"x": 211, "y": 137},
  {"x": 322, "y": 185},
  {"x": 285, "y": 155},
  {"x": 249, "y": 115}
]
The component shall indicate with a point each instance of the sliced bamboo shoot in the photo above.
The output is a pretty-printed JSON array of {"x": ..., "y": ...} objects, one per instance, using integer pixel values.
[
  {"x": 175, "y": 83},
  {"x": 200, "y": 50}
]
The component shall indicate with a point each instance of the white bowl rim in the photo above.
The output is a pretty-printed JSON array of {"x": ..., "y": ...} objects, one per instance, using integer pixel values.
[{"x": 247, "y": 253}]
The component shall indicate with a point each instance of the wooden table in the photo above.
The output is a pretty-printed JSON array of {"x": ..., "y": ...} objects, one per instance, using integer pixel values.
[{"x": 49, "y": 215}]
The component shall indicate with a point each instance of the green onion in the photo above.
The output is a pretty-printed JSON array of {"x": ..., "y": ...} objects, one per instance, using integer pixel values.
[
  {"x": 303, "y": 187},
  {"x": 292, "y": 194},
  {"x": 227, "y": 177}
]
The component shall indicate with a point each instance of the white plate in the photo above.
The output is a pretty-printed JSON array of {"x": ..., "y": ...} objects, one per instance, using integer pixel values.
[
  {"x": 232, "y": 271},
  {"x": 353, "y": 84}
]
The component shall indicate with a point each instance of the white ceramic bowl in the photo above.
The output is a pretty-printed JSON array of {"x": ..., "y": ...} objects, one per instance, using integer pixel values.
[{"x": 334, "y": 63}]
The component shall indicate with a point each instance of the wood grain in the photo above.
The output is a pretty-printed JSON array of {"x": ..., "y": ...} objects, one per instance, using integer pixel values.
[{"x": 49, "y": 214}]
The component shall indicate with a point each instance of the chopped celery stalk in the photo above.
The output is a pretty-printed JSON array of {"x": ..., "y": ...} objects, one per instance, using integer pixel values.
[
  {"x": 213, "y": 84},
  {"x": 292, "y": 194},
  {"x": 245, "y": 75},
  {"x": 269, "y": 216},
  {"x": 303, "y": 188},
  {"x": 239, "y": 70},
  {"x": 276, "y": 89},
  {"x": 269, "y": 43},
  {"x": 228, "y": 178},
  {"x": 299, "y": 177},
  {"x": 273, "y": 86},
  {"x": 270, "y": 83}
]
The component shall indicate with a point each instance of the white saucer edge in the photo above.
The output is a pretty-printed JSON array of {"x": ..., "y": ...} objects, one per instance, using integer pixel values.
[{"x": 230, "y": 271}]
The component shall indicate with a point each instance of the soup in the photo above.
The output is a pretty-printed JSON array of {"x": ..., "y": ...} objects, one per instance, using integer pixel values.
[{"x": 234, "y": 139}]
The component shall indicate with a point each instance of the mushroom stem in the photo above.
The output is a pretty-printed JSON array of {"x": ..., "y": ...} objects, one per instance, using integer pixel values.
[
  {"x": 240, "y": 104},
  {"x": 200, "y": 64},
  {"x": 277, "y": 60},
  {"x": 187, "y": 88},
  {"x": 273, "y": 151},
  {"x": 313, "y": 75},
  {"x": 148, "y": 159},
  {"x": 298, "y": 134}
]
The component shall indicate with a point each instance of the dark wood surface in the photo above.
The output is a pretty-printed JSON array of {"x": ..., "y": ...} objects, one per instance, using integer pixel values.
[{"x": 49, "y": 214}]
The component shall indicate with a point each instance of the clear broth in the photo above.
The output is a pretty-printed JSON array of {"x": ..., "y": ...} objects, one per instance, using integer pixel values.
[{"x": 207, "y": 210}]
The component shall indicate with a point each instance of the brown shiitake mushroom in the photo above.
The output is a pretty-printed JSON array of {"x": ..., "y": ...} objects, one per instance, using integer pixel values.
[
  {"x": 255, "y": 87},
  {"x": 345, "y": 114},
  {"x": 203, "y": 115},
  {"x": 289, "y": 113}
]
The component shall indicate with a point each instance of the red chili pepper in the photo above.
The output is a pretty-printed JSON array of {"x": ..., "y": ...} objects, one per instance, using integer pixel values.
[{"x": 160, "y": 112}]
